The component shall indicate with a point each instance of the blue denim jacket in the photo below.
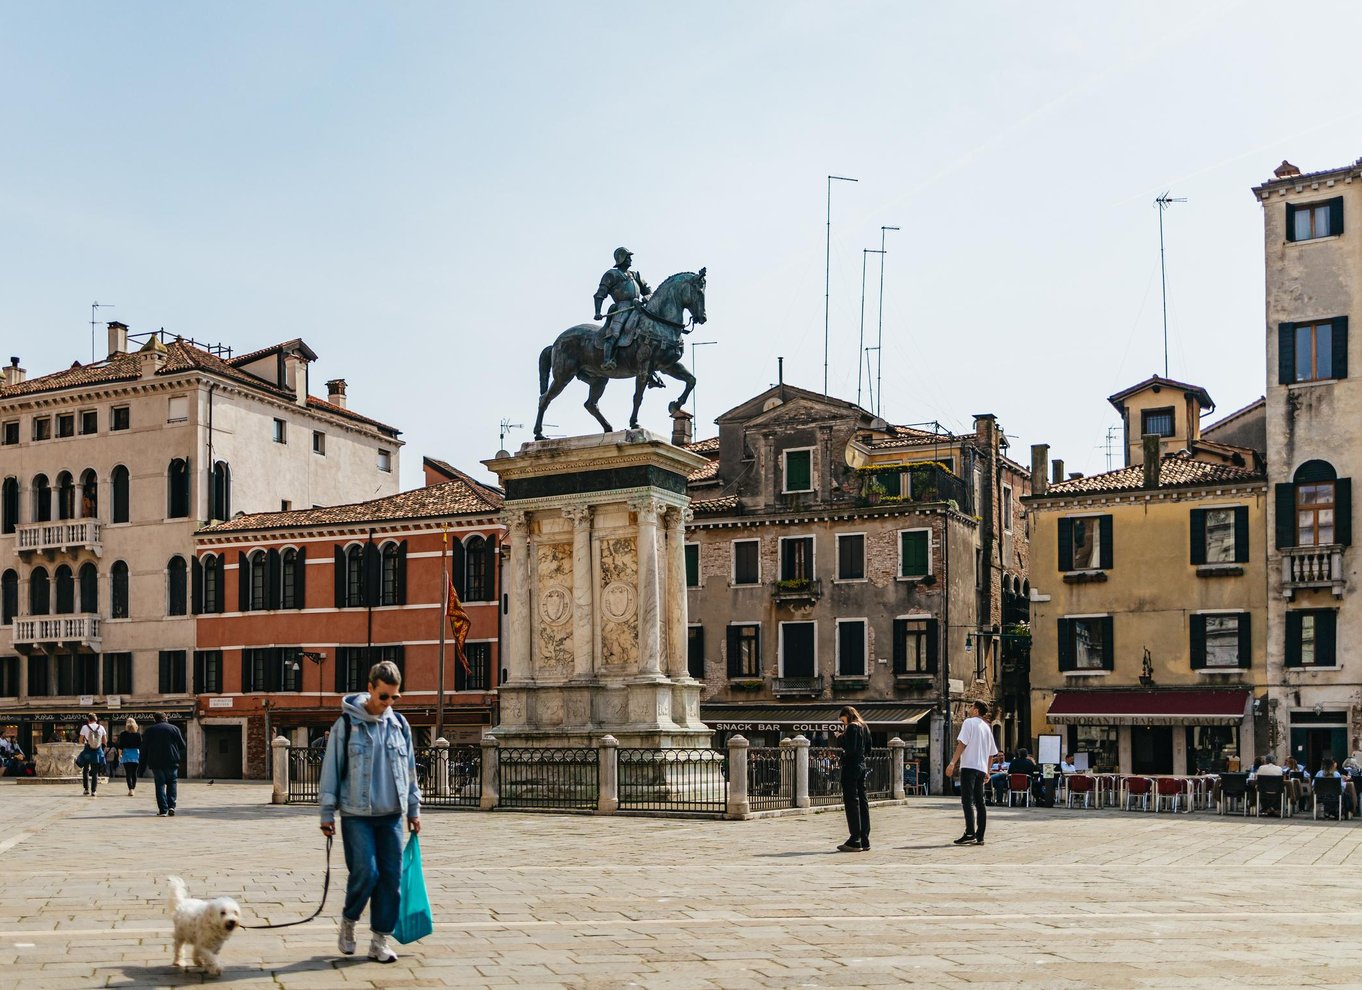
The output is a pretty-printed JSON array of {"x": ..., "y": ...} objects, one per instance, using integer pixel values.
[{"x": 352, "y": 794}]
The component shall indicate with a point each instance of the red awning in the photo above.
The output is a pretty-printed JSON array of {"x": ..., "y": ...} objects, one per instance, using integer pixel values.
[{"x": 1149, "y": 707}]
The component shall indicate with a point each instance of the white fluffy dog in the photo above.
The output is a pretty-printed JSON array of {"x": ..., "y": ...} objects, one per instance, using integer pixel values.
[{"x": 203, "y": 926}]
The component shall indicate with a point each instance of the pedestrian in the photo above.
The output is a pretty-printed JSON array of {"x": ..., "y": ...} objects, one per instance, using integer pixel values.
[
  {"x": 855, "y": 742},
  {"x": 162, "y": 751},
  {"x": 91, "y": 758},
  {"x": 974, "y": 751},
  {"x": 369, "y": 775},
  {"x": 130, "y": 747}
]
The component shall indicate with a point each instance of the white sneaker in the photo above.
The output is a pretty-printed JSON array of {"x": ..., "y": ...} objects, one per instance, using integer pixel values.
[
  {"x": 380, "y": 950},
  {"x": 346, "y": 941}
]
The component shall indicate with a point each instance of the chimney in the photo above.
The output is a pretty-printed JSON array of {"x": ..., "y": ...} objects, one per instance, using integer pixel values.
[
  {"x": 151, "y": 357},
  {"x": 683, "y": 428},
  {"x": 1151, "y": 459},
  {"x": 985, "y": 428},
  {"x": 1040, "y": 453},
  {"x": 1056, "y": 471},
  {"x": 14, "y": 374},
  {"x": 118, "y": 338},
  {"x": 335, "y": 392}
]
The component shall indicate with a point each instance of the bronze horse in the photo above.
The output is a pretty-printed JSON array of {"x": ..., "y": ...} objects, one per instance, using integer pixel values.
[{"x": 656, "y": 346}]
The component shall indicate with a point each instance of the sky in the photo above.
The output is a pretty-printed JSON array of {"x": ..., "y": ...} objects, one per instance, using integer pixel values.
[{"x": 428, "y": 193}]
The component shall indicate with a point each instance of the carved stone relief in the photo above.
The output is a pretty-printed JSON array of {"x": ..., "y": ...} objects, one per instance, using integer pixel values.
[
  {"x": 619, "y": 601},
  {"x": 553, "y": 575}
]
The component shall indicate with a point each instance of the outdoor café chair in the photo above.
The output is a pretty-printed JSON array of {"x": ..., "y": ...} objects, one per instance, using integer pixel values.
[
  {"x": 1168, "y": 790},
  {"x": 1328, "y": 790},
  {"x": 1080, "y": 786},
  {"x": 1018, "y": 783},
  {"x": 1272, "y": 793},
  {"x": 1138, "y": 788},
  {"x": 1233, "y": 787}
]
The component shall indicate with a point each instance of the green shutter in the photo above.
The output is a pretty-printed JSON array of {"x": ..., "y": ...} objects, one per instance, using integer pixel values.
[
  {"x": 1198, "y": 522},
  {"x": 933, "y": 645},
  {"x": 1338, "y": 345},
  {"x": 915, "y": 553},
  {"x": 797, "y": 473},
  {"x": 1326, "y": 637},
  {"x": 1065, "y": 651},
  {"x": 1241, "y": 534},
  {"x": 1290, "y": 222},
  {"x": 1335, "y": 216},
  {"x": 1343, "y": 511},
  {"x": 1104, "y": 541},
  {"x": 1245, "y": 639},
  {"x": 1108, "y": 642},
  {"x": 1286, "y": 516},
  {"x": 1196, "y": 627},
  {"x": 1286, "y": 353},
  {"x": 692, "y": 565},
  {"x": 1066, "y": 544},
  {"x": 1293, "y": 639},
  {"x": 900, "y": 646}
]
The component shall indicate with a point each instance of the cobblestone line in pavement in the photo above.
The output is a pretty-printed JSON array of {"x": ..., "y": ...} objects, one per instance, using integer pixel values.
[{"x": 1056, "y": 899}]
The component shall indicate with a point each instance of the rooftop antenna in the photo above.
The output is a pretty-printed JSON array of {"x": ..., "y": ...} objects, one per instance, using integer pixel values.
[
  {"x": 879, "y": 341},
  {"x": 871, "y": 386},
  {"x": 827, "y": 273},
  {"x": 1163, "y": 202},
  {"x": 93, "y": 320},
  {"x": 860, "y": 347},
  {"x": 1111, "y": 436},
  {"x": 694, "y": 398},
  {"x": 506, "y": 427}
]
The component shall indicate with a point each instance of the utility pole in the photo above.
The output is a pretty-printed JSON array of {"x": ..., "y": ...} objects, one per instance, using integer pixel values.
[
  {"x": 1163, "y": 202},
  {"x": 694, "y": 398},
  {"x": 879, "y": 341},
  {"x": 860, "y": 347},
  {"x": 827, "y": 277}
]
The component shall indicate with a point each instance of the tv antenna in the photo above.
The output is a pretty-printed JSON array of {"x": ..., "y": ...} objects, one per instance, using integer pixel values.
[
  {"x": 1111, "y": 436},
  {"x": 506, "y": 427},
  {"x": 94, "y": 318},
  {"x": 1163, "y": 202}
]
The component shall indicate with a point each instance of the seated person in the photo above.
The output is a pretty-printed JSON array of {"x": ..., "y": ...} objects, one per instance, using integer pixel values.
[
  {"x": 1024, "y": 764},
  {"x": 1066, "y": 765},
  {"x": 1330, "y": 803},
  {"x": 1269, "y": 767},
  {"x": 997, "y": 781}
]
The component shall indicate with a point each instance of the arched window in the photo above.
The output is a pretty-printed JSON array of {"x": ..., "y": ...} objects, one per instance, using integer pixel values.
[
  {"x": 258, "y": 593},
  {"x": 177, "y": 592},
  {"x": 1321, "y": 506},
  {"x": 212, "y": 583},
  {"x": 66, "y": 496},
  {"x": 222, "y": 492},
  {"x": 9, "y": 597},
  {"x": 39, "y": 592},
  {"x": 119, "y": 479},
  {"x": 177, "y": 489},
  {"x": 42, "y": 499},
  {"x": 354, "y": 576},
  {"x": 480, "y": 569},
  {"x": 89, "y": 494},
  {"x": 394, "y": 564},
  {"x": 119, "y": 572},
  {"x": 89, "y": 589},
  {"x": 10, "y": 505},
  {"x": 293, "y": 564},
  {"x": 66, "y": 590}
]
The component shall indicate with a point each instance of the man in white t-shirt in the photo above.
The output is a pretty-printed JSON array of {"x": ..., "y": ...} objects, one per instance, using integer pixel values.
[
  {"x": 975, "y": 751},
  {"x": 93, "y": 735}
]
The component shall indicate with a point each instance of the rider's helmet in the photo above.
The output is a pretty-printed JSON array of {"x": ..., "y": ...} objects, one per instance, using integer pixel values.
[{"x": 622, "y": 254}]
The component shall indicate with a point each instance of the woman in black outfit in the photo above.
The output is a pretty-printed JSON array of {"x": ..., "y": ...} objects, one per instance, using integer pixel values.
[
  {"x": 130, "y": 743},
  {"x": 855, "y": 742}
]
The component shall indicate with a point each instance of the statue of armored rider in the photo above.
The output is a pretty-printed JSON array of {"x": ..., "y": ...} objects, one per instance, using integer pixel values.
[{"x": 628, "y": 291}]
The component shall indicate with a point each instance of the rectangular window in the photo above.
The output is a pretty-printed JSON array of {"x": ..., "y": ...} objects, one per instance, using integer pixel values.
[
  {"x": 1157, "y": 421},
  {"x": 1310, "y": 221},
  {"x": 1219, "y": 536},
  {"x": 1007, "y": 508},
  {"x": 39, "y": 671},
  {"x": 851, "y": 643},
  {"x": 891, "y": 483},
  {"x": 798, "y": 649},
  {"x": 850, "y": 556},
  {"x": 1085, "y": 543},
  {"x": 319, "y": 442},
  {"x": 66, "y": 425},
  {"x": 915, "y": 553},
  {"x": 479, "y": 674},
  {"x": 120, "y": 418},
  {"x": 285, "y": 505},
  {"x": 1100, "y": 742},
  {"x": 796, "y": 558},
  {"x": 1311, "y": 638},
  {"x": 692, "y": 565},
  {"x": 352, "y": 668},
  {"x": 395, "y": 654},
  {"x": 42, "y": 427},
  {"x": 746, "y": 565},
  {"x": 1085, "y": 643},
  {"x": 744, "y": 651},
  {"x": 290, "y": 668},
  {"x": 1314, "y": 351},
  {"x": 118, "y": 673},
  {"x": 695, "y": 652},
  {"x": 280, "y": 431},
  {"x": 9, "y": 677},
  {"x": 798, "y": 471},
  {"x": 385, "y": 461},
  {"x": 1315, "y": 514},
  {"x": 89, "y": 422},
  {"x": 10, "y": 435},
  {"x": 915, "y": 646},
  {"x": 78, "y": 674},
  {"x": 177, "y": 409},
  {"x": 207, "y": 671},
  {"x": 172, "y": 672},
  {"x": 1222, "y": 640},
  {"x": 979, "y": 568}
]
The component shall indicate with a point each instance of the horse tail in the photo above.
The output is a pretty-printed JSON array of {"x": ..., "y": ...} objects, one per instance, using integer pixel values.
[{"x": 545, "y": 364}]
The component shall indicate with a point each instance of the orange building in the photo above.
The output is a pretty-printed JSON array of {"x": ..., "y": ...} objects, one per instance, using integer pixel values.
[{"x": 294, "y": 607}]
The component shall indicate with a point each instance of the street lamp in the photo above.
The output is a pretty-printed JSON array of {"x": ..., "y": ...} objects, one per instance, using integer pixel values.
[{"x": 317, "y": 658}]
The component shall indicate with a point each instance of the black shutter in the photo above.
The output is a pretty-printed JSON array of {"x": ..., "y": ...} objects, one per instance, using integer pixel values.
[
  {"x": 1104, "y": 538},
  {"x": 274, "y": 577},
  {"x": 167, "y": 673},
  {"x": 274, "y": 669},
  {"x": 458, "y": 567},
  {"x": 1245, "y": 639},
  {"x": 300, "y": 579},
  {"x": 1066, "y": 544},
  {"x": 1198, "y": 520},
  {"x": 1343, "y": 511},
  {"x": 1291, "y": 222},
  {"x": 695, "y": 654},
  {"x": 108, "y": 682},
  {"x": 246, "y": 671},
  {"x": 900, "y": 646},
  {"x": 199, "y": 672},
  {"x": 734, "y": 648},
  {"x": 1335, "y": 216},
  {"x": 1286, "y": 353},
  {"x": 787, "y": 560},
  {"x": 220, "y": 596},
  {"x": 1339, "y": 347},
  {"x": 339, "y": 570},
  {"x": 1286, "y": 516},
  {"x": 1293, "y": 639},
  {"x": 1066, "y": 645},
  {"x": 933, "y": 645},
  {"x": 1197, "y": 627},
  {"x": 1326, "y": 638},
  {"x": 460, "y": 677},
  {"x": 373, "y": 574},
  {"x": 243, "y": 582},
  {"x": 1108, "y": 642},
  {"x": 402, "y": 573},
  {"x": 1241, "y": 534},
  {"x": 196, "y": 584},
  {"x": 342, "y": 669}
]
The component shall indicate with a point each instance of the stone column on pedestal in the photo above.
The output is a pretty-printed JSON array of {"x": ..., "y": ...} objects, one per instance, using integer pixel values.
[
  {"x": 678, "y": 667},
  {"x": 801, "y": 794},
  {"x": 490, "y": 797},
  {"x": 649, "y": 588},
  {"x": 896, "y": 750},
  {"x": 583, "y": 596},
  {"x": 518, "y": 667},
  {"x": 279, "y": 745},
  {"x": 739, "y": 804}
]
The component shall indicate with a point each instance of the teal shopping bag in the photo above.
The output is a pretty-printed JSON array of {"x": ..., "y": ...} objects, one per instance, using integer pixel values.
[{"x": 413, "y": 914}]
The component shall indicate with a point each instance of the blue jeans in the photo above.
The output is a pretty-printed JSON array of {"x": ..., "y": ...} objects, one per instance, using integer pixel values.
[
  {"x": 373, "y": 857},
  {"x": 166, "y": 786}
]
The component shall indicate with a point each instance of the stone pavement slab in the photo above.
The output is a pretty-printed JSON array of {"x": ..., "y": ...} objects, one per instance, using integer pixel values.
[{"x": 1082, "y": 899}]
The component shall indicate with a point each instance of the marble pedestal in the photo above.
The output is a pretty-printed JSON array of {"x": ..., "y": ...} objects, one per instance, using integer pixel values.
[
  {"x": 595, "y": 639},
  {"x": 55, "y": 762}
]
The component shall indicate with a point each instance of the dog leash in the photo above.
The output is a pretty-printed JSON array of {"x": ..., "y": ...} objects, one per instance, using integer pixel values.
[{"x": 326, "y": 887}]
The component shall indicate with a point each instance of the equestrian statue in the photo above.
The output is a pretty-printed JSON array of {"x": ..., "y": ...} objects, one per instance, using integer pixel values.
[{"x": 642, "y": 336}]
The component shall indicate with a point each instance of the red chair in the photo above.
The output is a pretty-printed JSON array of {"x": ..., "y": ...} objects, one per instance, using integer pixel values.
[
  {"x": 1168, "y": 790},
  {"x": 1018, "y": 783},
  {"x": 1081, "y": 785},
  {"x": 1138, "y": 787}
]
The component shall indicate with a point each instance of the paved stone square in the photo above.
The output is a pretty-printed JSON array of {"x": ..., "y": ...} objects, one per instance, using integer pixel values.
[{"x": 1055, "y": 899}]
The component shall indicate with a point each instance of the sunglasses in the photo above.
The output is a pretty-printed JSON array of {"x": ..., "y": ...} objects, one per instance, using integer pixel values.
[{"x": 389, "y": 697}]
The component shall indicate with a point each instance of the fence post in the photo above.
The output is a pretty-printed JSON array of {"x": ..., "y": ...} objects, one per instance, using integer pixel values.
[
  {"x": 785, "y": 764},
  {"x": 738, "y": 804},
  {"x": 896, "y": 750},
  {"x": 280, "y": 759},
  {"x": 801, "y": 791},
  {"x": 490, "y": 796},
  {"x": 439, "y": 768},
  {"x": 608, "y": 795}
]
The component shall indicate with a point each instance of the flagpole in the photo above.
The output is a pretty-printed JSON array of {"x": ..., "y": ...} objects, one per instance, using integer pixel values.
[{"x": 444, "y": 605}]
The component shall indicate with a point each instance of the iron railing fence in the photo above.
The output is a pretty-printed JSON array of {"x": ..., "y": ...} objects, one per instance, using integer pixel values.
[
  {"x": 879, "y": 783},
  {"x": 304, "y": 774},
  {"x": 770, "y": 777},
  {"x": 450, "y": 777},
  {"x": 686, "y": 781},
  {"x": 558, "y": 778},
  {"x": 825, "y": 775}
]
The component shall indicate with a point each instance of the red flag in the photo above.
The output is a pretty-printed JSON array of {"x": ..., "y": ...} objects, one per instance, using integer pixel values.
[{"x": 459, "y": 624}]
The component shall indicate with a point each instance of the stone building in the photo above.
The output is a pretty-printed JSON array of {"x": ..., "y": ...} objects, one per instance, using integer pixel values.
[
  {"x": 106, "y": 472},
  {"x": 1312, "y": 229},
  {"x": 836, "y": 559}
]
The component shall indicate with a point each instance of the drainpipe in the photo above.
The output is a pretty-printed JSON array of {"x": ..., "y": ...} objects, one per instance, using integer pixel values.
[
  {"x": 212, "y": 387},
  {"x": 946, "y": 747}
]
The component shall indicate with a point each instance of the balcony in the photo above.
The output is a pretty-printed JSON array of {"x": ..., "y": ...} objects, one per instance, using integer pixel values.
[
  {"x": 798, "y": 590},
  {"x": 56, "y": 633},
  {"x": 66, "y": 535},
  {"x": 1312, "y": 567},
  {"x": 811, "y": 687}
]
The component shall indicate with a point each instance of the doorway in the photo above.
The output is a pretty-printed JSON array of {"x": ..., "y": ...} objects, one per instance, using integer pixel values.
[
  {"x": 1151, "y": 749},
  {"x": 222, "y": 751},
  {"x": 1312, "y": 745}
]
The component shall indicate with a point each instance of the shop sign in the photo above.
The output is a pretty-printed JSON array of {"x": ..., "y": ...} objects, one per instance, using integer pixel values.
[
  {"x": 219, "y": 702},
  {"x": 775, "y": 726},
  {"x": 114, "y": 701},
  {"x": 86, "y": 699}
]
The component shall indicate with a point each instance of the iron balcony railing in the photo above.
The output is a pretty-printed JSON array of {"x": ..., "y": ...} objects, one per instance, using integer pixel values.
[
  {"x": 798, "y": 590},
  {"x": 65, "y": 534},
  {"x": 812, "y": 686},
  {"x": 1312, "y": 567},
  {"x": 75, "y": 630}
]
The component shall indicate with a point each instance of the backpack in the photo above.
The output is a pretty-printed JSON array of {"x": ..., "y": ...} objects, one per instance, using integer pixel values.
[{"x": 344, "y": 770}]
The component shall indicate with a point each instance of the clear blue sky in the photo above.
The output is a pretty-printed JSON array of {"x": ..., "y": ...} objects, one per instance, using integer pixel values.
[{"x": 428, "y": 193}]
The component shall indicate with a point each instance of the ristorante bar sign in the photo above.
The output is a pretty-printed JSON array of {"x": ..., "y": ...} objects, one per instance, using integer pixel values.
[{"x": 80, "y": 716}]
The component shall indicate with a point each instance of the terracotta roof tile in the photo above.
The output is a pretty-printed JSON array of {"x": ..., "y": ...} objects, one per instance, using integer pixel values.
[
  {"x": 708, "y": 446},
  {"x": 706, "y": 471},
  {"x": 727, "y": 503},
  {"x": 315, "y": 403},
  {"x": 449, "y": 499},
  {"x": 1175, "y": 471}
]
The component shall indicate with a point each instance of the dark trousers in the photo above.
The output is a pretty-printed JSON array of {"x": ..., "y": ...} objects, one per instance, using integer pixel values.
[
  {"x": 166, "y": 787},
  {"x": 972, "y": 800},
  {"x": 130, "y": 772},
  {"x": 89, "y": 776},
  {"x": 857, "y": 806}
]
